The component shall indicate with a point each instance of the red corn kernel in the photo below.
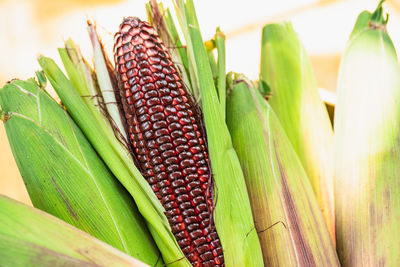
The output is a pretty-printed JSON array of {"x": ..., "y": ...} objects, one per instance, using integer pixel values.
[{"x": 163, "y": 124}]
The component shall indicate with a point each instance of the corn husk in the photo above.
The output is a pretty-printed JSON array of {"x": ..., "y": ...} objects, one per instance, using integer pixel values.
[
  {"x": 294, "y": 96},
  {"x": 288, "y": 221},
  {"x": 64, "y": 175},
  {"x": 30, "y": 237},
  {"x": 106, "y": 81},
  {"x": 367, "y": 141}
]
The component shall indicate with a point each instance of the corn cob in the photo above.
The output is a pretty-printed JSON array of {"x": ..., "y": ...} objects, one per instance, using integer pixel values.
[{"x": 167, "y": 138}]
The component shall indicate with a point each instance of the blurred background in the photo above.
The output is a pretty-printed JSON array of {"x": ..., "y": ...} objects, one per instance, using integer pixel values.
[{"x": 32, "y": 27}]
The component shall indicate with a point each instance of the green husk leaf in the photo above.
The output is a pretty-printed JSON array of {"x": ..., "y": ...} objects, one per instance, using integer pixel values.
[
  {"x": 288, "y": 221},
  {"x": 221, "y": 65},
  {"x": 367, "y": 142},
  {"x": 119, "y": 161},
  {"x": 80, "y": 73},
  {"x": 175, "y": 36},
  {"x": 233, "y": 218},
  {"x": 294, "y": 97},
  {"x": 65, "y": 177},
  {"x": 211, "y": 58},
  {"x": 218, "y": 67},
  {"x": 362, "y": 23},
  {"x": 30, "y": 237},
  {"x": 264, "y": 89},
  {"x": 106, "y": 82},
  {"x": 41, "y": 78}
]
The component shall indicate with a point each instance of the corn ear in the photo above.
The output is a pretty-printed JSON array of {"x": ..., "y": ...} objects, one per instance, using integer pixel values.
[
  {"x": 367, "y": 141},
  {"x": 65, "y": 177},
  {"x": 30, "y": 237},
  {"x": 233, "y": 217},
  {"x": 166, "y": 139},
  {"x": 288, "y": 221},
  {"x": 294, "y": 97}
]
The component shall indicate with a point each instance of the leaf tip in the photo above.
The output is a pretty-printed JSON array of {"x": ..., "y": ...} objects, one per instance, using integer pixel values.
[
  {"x": 41, "y": 79},
  {"x": 4, "y": 117}
]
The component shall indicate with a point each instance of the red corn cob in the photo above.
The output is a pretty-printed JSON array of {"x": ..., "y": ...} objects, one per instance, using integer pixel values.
[{"x": 167, "y": 141}]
